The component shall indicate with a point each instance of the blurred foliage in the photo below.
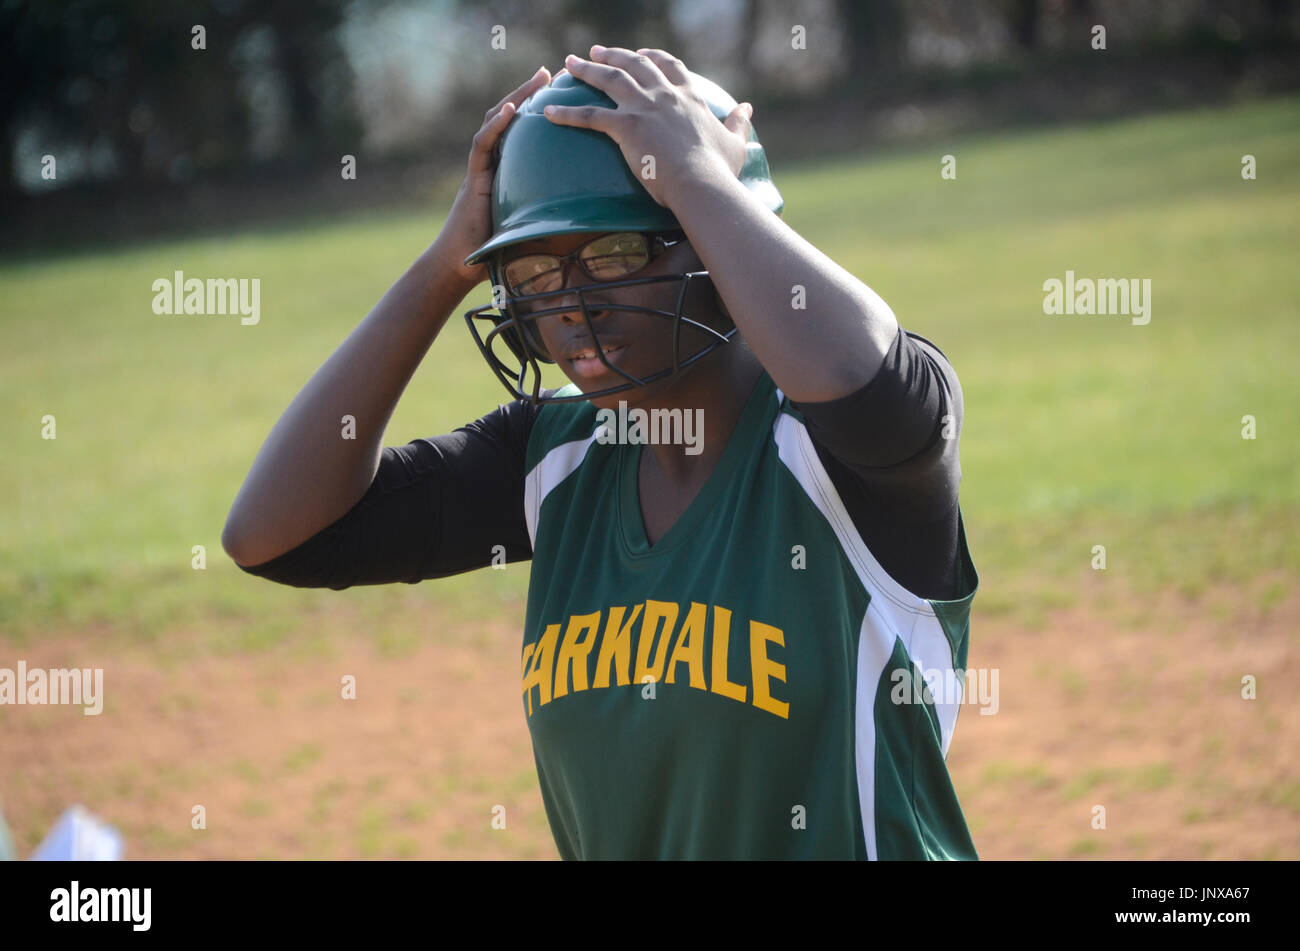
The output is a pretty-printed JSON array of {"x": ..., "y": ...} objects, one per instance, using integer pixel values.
[
  {"x": 117, "y": 90},
  {"x": 128, "y": 84}
]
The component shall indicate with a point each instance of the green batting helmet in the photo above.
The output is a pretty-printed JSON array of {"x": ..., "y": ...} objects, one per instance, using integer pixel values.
[{"x": 556, "y": 180}]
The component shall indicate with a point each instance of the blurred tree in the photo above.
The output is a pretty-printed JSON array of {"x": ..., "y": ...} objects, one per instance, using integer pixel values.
[
  {"x": 876, "y": 36},
  {"x": 122, "y": 82},
  {"x": 1281, "y": 17},
  {"x": 1024, "y": 17},
  {"x": 25, "y": 65},
  {"x": 622, "y": 24},
  {"x": 751, "y": 18},
  {"x": 316, "y": 74},
  {"x": 1080, "y": 17}
]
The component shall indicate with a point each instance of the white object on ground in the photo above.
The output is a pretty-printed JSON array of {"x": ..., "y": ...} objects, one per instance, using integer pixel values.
[{"x": 81, "y": 837}]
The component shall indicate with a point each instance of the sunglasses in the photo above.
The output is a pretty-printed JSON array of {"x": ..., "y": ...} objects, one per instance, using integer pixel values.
[{"x": 606, "y": 258}]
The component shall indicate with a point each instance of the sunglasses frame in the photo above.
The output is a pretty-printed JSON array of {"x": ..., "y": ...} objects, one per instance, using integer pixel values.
[{"x": 655, "y": 244}]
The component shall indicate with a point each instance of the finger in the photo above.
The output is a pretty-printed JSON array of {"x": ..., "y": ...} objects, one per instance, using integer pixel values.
[
  {"x": 640, "y": 68},
  {"x": 610, "y": 80},
  {"x": 480, "y": 156},
  {"x": 672, "y": 67},
  {"x": 738, "y": 119},
  {"x": 538, "y": 80},
  {"x": 522, "y": 92},
  {"x": 600, "y": 118}
]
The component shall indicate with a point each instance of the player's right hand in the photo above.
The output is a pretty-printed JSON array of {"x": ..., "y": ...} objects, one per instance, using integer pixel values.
[{"x": 469, "y": 224}]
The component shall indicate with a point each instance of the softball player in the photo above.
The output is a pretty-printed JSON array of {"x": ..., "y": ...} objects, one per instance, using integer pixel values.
[{"x": 720, "y": 637}]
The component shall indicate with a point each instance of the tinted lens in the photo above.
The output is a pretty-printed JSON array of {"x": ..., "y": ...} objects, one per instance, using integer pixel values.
[
  {"x": 607, "y": 258},
  {"x": 533, "y": 274},
  {"x": 615, "y": 255}
]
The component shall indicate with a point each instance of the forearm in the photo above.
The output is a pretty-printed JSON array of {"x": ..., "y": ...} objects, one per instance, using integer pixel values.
[
  {"x": 833, "y": 345},
  {"x": 307, "y": 475}
]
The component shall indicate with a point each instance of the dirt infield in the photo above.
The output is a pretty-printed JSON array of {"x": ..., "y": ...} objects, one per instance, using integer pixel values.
[{"x": 1135, "y": 706}]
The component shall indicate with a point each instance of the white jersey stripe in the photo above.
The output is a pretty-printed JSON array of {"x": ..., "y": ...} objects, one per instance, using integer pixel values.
[
  {"x": 893, "y": 613},
  {"x": 556, "y": 466}
]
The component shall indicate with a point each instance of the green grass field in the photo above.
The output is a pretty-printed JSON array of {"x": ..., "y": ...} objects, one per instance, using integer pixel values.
[{"x": 1079, "y": 431}]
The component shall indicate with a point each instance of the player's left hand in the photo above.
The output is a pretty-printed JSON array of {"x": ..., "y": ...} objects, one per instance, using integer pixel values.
[{"x": 659, "y": 117}]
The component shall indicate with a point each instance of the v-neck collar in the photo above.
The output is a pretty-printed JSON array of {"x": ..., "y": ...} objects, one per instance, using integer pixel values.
[{"x": 631, "y": 524}]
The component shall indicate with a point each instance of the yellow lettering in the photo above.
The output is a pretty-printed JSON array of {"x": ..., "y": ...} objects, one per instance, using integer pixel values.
[
  {"x": 539, "y": 674},
  {"x": 655, "y": 611},
  {"x": 557, "y": 666},
  {"x": 573, "y": 653},
  {"x": 721, "y": 638},
  {"x": 616, "y": 646},
  {"x": 690, "y": 647},
  {"x": 762, "y": 669}
]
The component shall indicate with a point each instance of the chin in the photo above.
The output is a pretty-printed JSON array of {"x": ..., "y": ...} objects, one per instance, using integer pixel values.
[
  {"x": 610, "y": 401},
  {"x": 654, "y": 394}
]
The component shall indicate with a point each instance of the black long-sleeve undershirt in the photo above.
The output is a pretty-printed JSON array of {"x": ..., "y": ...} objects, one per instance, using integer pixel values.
[{"x": 437, "y": 506}]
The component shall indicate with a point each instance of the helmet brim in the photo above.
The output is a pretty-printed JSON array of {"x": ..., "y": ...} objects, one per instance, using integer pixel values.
[
  {"x": 585, "y": 214},
  {"x": 599, "y": 215}
]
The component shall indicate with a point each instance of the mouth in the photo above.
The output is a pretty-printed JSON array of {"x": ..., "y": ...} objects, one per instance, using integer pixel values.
[{"x": 585, "y": 361}]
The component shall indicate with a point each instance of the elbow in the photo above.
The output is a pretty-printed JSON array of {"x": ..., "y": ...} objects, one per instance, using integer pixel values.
[
  {"x": 235, "y": 544},
  {"x": 231, "y": 545}
]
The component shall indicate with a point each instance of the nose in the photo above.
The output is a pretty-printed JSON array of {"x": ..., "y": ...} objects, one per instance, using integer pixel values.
[
  {"x": 572, "y": 313},
  {"x": 571, "y": 317}
]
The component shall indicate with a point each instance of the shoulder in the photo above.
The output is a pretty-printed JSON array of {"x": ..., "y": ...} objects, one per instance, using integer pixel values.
[
  {"x": 555, "y": 424},
  {"x": 898, "y": 435},
  {"x": 916, "y": 337}
]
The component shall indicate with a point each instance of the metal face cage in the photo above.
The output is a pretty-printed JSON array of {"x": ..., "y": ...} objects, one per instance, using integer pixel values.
[{"x": 515, "y": 331}]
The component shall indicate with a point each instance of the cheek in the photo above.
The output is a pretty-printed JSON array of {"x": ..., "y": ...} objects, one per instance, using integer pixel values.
[
  {"x": 544, "y": 330},
  {"x": 699, "y": 300},
  {"x": 655, "y": 333},
  {"x": 702, "y": 303}
]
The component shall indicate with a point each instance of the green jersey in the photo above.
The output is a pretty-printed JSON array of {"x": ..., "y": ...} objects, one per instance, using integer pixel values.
[{"x": 730, "y": 692}]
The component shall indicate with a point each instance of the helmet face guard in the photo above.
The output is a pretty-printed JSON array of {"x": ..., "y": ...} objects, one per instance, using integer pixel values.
[{"x": 516, "y": 331}]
